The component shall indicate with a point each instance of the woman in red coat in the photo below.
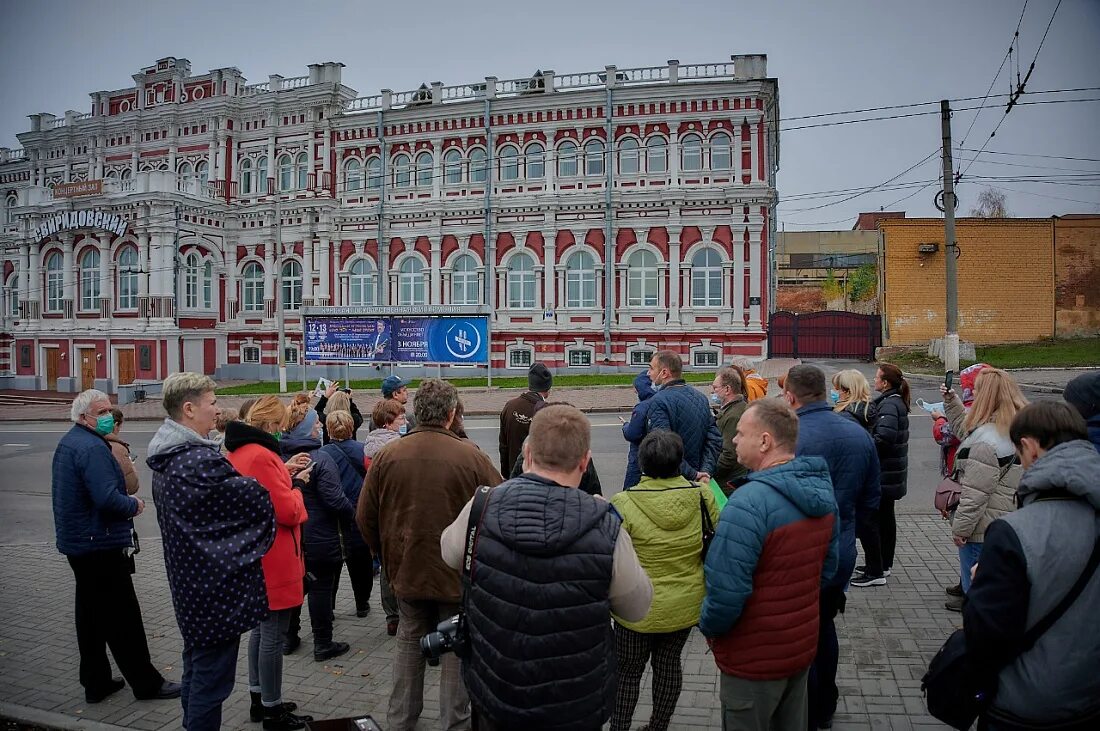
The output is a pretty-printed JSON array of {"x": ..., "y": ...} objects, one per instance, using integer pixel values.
[{"x": 254, "y": 451}]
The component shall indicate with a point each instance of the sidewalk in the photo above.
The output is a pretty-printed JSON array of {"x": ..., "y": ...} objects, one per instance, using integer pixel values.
[{"x": 887, "y": 637}]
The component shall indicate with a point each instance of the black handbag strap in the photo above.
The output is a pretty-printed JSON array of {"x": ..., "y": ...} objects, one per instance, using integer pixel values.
[
  {"x": 1032, "y": 635},
  {"x": 477, "y": 510},
  {"x": 708, "y": 524}
]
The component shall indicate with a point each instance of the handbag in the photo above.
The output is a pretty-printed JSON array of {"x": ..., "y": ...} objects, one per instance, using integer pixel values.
[
  {"x": 948, "y": 493},
  {"x": 954, "y": 689},
  {"x": 708, "y": 527}
]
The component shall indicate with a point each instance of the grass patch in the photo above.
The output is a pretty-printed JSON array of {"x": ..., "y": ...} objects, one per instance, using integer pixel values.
[
  {"x": 375, "y": 384},
  {"x": 1042, "y": 354}
]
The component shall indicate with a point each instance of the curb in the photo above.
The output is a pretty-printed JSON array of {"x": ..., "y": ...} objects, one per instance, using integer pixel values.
[{"x": 49, "y": 719}]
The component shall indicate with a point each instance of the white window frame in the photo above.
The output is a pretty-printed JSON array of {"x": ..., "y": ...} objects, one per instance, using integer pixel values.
[
  {"x": 301, "y": 168},
  {"x": 508, "y": 162},
  {"x": 656, "y": 149},
  {"x": 594, "y": 152},
  {"x": 365, "y": 281},
  {"x": 452, "y": 166},
  {"x": 10, "y": 204},
  {"x": 402, "y": 171},
  {"x": 12, "y": 300},
  {"x": 353, "y": 175},
  {"x": 646, "y": 351},
  {"x": 261, "y": 175},
  {"x": 579, "y": 350},
  {"x": 527, "y": 350},
  {"x": 580, "y": 279},
  {"x": 534, "y": 161},
  {"x": 709, "y": 354},
  {"x": 517, "y": 281},
  {"x": 691, "y": 144},
  {"x": 253, "y": 290},
  {"x": 291, "y": 285},
  {"x": 702, "y": 275},
  {"x": 374, "y": 172},
  {"x": 727, "y": 146},
  {"x": 641, "y": 278},
  {"x": 567, "y": 159},
  {"x": 479, "y": 165},
  {"x": 246, "y": 348},
  {"x": 286, "y": 172},
  {"x": 244, "y": 176},
  {"x": 128, "y": 279},
  {"x": 89, "y": 280},
  {"x": 465, "y": 281},
  {"x": 411, "y": 289},
  {"x": 424, "y": 166},
  {"x": 630, "y": 159}
]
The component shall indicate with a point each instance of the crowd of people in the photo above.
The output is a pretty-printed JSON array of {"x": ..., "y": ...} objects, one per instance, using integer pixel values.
[{"x": 739, "y": 515}]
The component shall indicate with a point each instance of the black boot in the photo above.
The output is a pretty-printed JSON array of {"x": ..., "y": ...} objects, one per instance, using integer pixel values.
[
  {"x": 329, "y": 651},
  {"x": 256, "y": 710},
  {"x": 280, "y": 719}
]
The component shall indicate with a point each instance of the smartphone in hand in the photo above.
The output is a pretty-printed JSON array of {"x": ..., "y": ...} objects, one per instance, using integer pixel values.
[{"x": 949, "y": 380}]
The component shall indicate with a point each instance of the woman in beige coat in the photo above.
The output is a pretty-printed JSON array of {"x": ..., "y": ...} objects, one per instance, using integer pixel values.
[
  {"x": 121, "y": 452},
  {"x": 986, "y": 466}
]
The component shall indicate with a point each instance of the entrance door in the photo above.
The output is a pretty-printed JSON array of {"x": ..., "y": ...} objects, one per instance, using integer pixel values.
[
  {"x": 87, "y": 368},
  {"x": 53, "y": 365},
  {"x": 125, "y": 367}
]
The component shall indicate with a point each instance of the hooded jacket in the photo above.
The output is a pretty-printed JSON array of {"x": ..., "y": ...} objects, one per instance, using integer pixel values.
[
  {"x": 255, "y": 453},
  {"x": 356, "y": 418},
  {"x": 682, "y": 409},
  {"x": 1030, "y": 559},
  {"x": 988, "y": 472},
  {"x": 217, "y": 526},
  {"x": 665, "y": 521},
  {"x": 776, "y": 538},
  {"x": 378, "y": 439},
  {"x": 325, "y": 501},
  {"x": 352, "y": 462},
  {"x": 515, "y": 425},
  {"x": 891, "y": 435},
  {"x": 634, "y": 430},
  {"x": 863, "y": 413},
  {"x": 91, "y": 510}
]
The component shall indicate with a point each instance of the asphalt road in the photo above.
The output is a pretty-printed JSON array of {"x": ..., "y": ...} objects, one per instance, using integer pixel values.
[{"x": 26, "y": 450}]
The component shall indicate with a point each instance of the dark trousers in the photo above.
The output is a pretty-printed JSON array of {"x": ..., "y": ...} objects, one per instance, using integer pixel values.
[
  {"x": 321, "y": 588},
  {"x": 108, "y": 615},
  {"x": 821, "y": 687},
  {"x": 481, "y": 722},
  {"x": 360, "y": 564},
  {"x": 879, "y": 536},
  {"x": 633, "y": 651},
  {"x": 208, "y": 674}
]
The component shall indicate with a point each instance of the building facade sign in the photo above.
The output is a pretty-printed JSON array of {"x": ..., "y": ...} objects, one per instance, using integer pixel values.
[
  {"x": 78, "y": 188},
  {"x": 81, "y": 219}
]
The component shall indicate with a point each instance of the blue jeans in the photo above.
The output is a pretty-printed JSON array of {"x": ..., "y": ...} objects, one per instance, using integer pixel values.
[
  {"x": 968, "y": 556},
  {"x": 265, "y": 657},
  {"x": 208, "y": 674}
]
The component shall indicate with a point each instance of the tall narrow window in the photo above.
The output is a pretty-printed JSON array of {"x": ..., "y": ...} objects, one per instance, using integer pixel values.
[
  {"x": 55, "y": 282},
  {"x": 128, "y": 279},
  {"x": 521, "y": 282},
  {"x": 286, "y": 172},
  {"x": 301, "y": 167},
  {"x": 13, "y": 295},
  {"x": 656, "y": 155},
  {"x": 191, "y": 274},
  {"x": 580, "y": 281},
  {"x": 464, "y": 289},
  {"x": 252, "y": 282},
  {"x": 353, "y": 175},
  {"x": 245, "y": 177},
  {"x": 478, "y": 166},
  {"x": 410, "y": 290},
  {"x": 706, "y": 279},
  {"x": 361, "y": 283},
  {"x": 536, "y": 162},
  {"x": 628, "y": 156},
  {"x": 402, "y": 171},
  {"x": 374, "y": 172},
  {"x": 10, "y": 204},
  {"x": 691, "y": 153},
  {"x": 184, "y": 171},
  {"x": 720, "y": 152},
  {"x": 593, "y": 157},
  {"x": 424, "y": 162},
  {"x": 292, "y": 285},
  {"x": 89, "y": 280},
  {"x": 642, "y": 279},
  {"x": 452, "y": 167},
  {"x": 509, "y": 163},
  {"x": 261, "y": 176},
  {"x": 208, "y": 285},
  {"x": 202, "y": 172},
  {"x": 567, "y": 160}
]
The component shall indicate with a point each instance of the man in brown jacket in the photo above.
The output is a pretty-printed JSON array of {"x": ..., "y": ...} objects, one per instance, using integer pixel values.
[
  {"x": 515, "y": 418},
  {"x": 729, "y": 391},
  {"x": 415, "y": 488}
]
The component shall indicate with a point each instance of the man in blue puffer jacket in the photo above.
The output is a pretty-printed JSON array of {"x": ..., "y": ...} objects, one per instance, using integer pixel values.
[
  {"x": 1083, "y": 393},
  {"x": 854, "y": 471},
  {"x": 93, "y": 518},
  {"x": 634, "y": 431},
  {"x": 685, "y": 411}
]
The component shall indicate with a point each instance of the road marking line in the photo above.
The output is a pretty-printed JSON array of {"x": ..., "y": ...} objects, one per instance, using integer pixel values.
[{"x": 16, "y": 445}]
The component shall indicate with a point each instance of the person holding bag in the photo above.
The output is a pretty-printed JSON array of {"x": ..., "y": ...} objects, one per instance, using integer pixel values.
[
  {"x": 986, "y": 467},
  {"x": 667, "y": 518}
]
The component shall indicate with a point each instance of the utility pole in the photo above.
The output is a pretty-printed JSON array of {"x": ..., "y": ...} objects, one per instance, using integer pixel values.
[
  {"x": 950, "y": 250},
  {"x": 280, "y": 315}
]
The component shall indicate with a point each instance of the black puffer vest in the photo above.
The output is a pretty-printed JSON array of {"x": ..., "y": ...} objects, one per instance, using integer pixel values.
[{"x": 542, "y": 651}]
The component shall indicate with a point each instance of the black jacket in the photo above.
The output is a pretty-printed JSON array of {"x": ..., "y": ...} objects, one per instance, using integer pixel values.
[
  {"x": 326, "y": 504},
  {"x": 891, "y": 435},
  {"x": 356, "y": 417},
  {"x": 590, "y": 481},
  {"x": 542, "y": 651},
  {"x": 863, "y": 413}
]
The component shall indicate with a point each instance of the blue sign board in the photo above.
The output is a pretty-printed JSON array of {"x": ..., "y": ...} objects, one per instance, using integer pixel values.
[{"x": 434, "y": 339}]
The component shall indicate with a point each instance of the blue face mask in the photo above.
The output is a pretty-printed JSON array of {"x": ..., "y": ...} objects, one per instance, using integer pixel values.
[
  {"x": 834, "y": 397},
  {"x": 403, "y": 429},
  {"x": 714, "y": 399},
  {"x": 105, "y": 424}
]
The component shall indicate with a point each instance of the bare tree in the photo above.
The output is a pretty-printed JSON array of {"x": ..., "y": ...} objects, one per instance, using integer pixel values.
[{"x": 991, "y": 204}]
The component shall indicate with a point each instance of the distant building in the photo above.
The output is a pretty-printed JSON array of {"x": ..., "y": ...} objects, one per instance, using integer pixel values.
[{"x": 805, "y": 257}]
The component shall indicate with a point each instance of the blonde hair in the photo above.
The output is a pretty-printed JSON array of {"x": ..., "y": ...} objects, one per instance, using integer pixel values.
[
  {"x": 267, "y": 411},
  {"x": 339, "y": 401},
  {"x": 997, "y": 398},
  {"x": 855, "y": 383},
  {"x": 340, "y": 425},
  {"x": 180, "y": 388},
  {"x": 299, "y": 405}
]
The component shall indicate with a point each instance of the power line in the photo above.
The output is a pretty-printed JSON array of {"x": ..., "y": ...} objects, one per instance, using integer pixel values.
[
  {"x": 914, "y": 166},
  {"x": 1007, "y": 56},
  {"x": 1031, "y": 154}
]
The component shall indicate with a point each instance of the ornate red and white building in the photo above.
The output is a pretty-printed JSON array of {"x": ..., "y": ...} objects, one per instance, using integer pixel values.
[{"x": 598, "y": 216}]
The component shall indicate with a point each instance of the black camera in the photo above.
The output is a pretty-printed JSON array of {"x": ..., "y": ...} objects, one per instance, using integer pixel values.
[{"x": 449, "y": 636}]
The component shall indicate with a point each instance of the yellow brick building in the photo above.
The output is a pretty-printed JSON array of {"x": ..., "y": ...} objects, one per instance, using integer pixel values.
[{"x": 1006, "y": 279}]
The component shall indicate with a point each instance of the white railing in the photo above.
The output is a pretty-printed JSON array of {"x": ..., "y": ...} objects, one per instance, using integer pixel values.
[
  {"x": 295, "y": 82},
  {"x": 19, "y": 154},
  {"x": 56, "y": 123},
  {"x": 462, "y": 91},
  {"x": 644, "y": 75},
  {"x": 511, "y": 87},
  {"x": 585, "y": 80},
  {"x": 253, "y": 89},
  {"x": 365, "y": 104},
  {"x": 402, "y": 98},
  {"x": 707, "y": 71},
  {"x": 81, "y": 117}
]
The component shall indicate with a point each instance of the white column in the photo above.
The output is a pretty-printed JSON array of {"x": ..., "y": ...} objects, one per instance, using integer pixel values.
[
  {"x": 326, "y": 154},
  {"x": 271, "y": 277},
  {"x": 29, "y": 274},
  {"x": 674, "y": 233},
  {"x": 212, "y": 153},
  {"x": 307, "y": 269},
  {"x": 325, "y": 263},
  {"x": 106, "y": 284},
  {"x": 674, "y": 158},
  {"x": 549, "y": 254},
  {"x": 736, "y": 162},
  {"x": 144, "y": 262},
  {"x": 756, "y": 273},
  {"x": 68, "y": 274},
  {"x": 311, "y": 152},
  {"x": 435, "y": 295},
  {"x": 272, "y": 163},
  {"x": 437, "y": 171},
  {"x": 231, "y": 279},
  {"x": 738, "y": 276},
  {"x": 753, "y": 165}
]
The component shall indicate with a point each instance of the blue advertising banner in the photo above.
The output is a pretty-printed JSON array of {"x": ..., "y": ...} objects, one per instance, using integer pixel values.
[{"x": 437, "y": 339}]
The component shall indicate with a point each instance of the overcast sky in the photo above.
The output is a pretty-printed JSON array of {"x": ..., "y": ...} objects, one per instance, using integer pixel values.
[{"x": 828, "y": 55}]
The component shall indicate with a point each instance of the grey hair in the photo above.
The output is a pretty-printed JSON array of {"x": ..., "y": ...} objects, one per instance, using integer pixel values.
[
  {"x": 179, "y": 388},
  {"x": 84, "y": 401},
  {"x": 434, "y": 401}
]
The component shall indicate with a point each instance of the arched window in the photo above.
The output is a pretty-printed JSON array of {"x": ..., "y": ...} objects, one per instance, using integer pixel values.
[
  {"x": 706, "y": 279},
  {"x": 691, "y": 153},
  {"x": 126, "y": 174},
  {"x": 245, "y": 168},
  {"x": 536, "y": 162},
  {"x": 353, "y": 175},
  {"x": 521, "y": 282},
  {"x": 252, "y": 279},
  {"x": 478, "y": 167},
  {"x": 301, "y": 167},
  {"x": 89, "y": 280},
  {"x": 374, "y": 172},
  {"x": 292, "y": 285},
  {"x": 112, "y": 175},
  {"x": 197, "y": 282},
  {"x": 721, "y": 153},
  {"x": 424, "y": 162},
  {"x": 55, "y": 282},
  {"x": 567, "y": 160},
  {"x": 464, "y": 289},
  {"x": 641, "y": 288},
  {"x": 593, "y": 157},
  {"x": 13, "y": 295},
  {"x": 128, "y": 279},
  {"x": 184, "y": 171},
  {"x": 286, "y": 172},
  {"x": 10, "y": 203},
  {"x": 509, "y": 163},
  {"x": 656, "y": 155},
  {"x": 361, "y": 283},
  {"x": 202, "y": 172},
  {"x": 629, "y": 159},
  {"x": 402, "y": 171},
  {"x": 410, "y": 284},
  {"x": 580, "y": 280},
  {"x": 452, "y": 167},
  {"x": 261, "y": 176}
]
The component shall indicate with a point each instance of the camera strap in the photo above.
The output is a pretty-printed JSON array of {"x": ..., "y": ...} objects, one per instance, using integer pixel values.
[{"x": 477, "y": 511}]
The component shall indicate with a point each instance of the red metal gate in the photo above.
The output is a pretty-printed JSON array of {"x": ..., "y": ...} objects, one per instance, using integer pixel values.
[{"x": 824, "y": 335}]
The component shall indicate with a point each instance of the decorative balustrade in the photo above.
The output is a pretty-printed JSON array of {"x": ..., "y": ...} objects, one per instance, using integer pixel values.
[
  {"x": 644, "y": 75},
  {"x": 707, "y": 71},
  {"x": 585, "y": 80},
  {"x": 295, "y": 82},
  {"x": 254, "y": 89},
  {"x": 365, "y": 104}
]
